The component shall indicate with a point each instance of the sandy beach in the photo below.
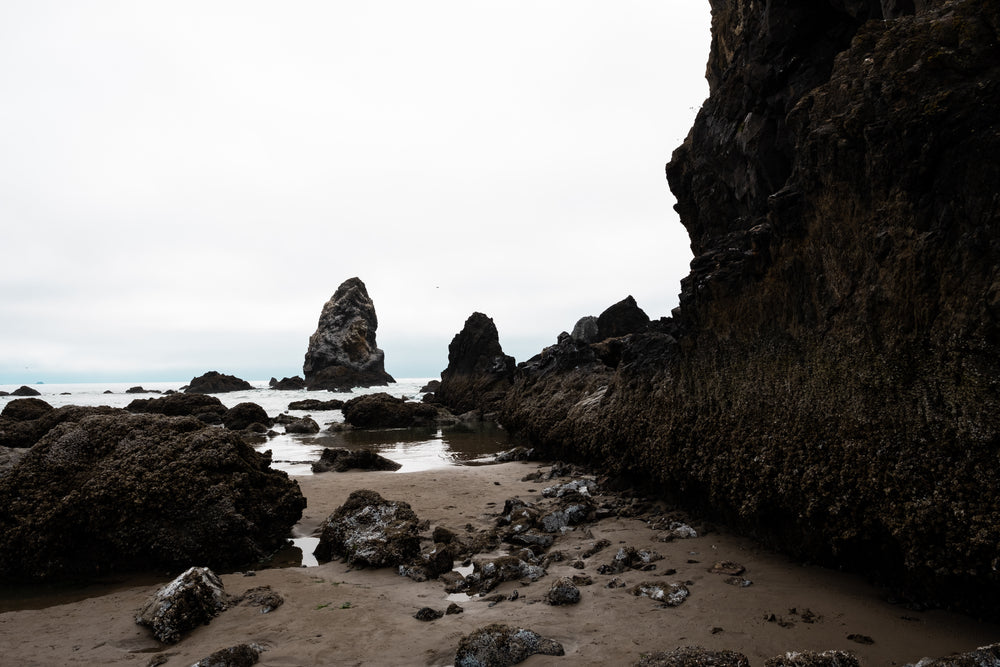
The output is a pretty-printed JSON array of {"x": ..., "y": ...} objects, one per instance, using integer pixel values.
[{"x": 335, "y": 615}]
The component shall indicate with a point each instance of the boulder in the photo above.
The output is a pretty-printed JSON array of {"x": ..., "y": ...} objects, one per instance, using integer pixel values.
[
  {"x": 122, "y": 492},
  {"x": 431, "y": 386},
  {"x": 563, "y": 591},
  {"x": 25, "y": 391},
  {"x": 342, "y": 460},
  {"x": 192, "y": 599},
  {"x": 243, "y": 415},
  {"x": 241, "y": 655},
  {"x": 621, "y": 319},
  {"x": 479, "y": 373},
  {"x": 315, "y": 405},
  {"x": 25, "y": 409},
  {"x": 305, "y": 426},
  {"x": 208, "y": 409},
  {"x": 368, "y": 530},
  {"x": 693, "y": 656},
  {"x": 380, "y": 410},
  {"x": 342, "y": 353},
  {"x": 499, "y": 645},
  {"x": 214, "y": 382},
  {"x": 287, "y": 384}
]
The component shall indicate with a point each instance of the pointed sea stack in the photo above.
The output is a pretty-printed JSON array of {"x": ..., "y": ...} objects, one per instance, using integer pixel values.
[
  {"x": 479, "y": 373},
  {"x": 342, "y": 353}
]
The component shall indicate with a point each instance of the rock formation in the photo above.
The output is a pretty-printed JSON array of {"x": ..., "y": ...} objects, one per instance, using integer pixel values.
[
  {"x": 214, "y": 382},
  {"x": 828, "y": 383},
  {"x": 122, "y": 492},
  {"x": 381, "y": 410},
  {"x": 478, "y": 373},
  {"x": 368, "y": 530},
  {"x": 342, "y": 354}
]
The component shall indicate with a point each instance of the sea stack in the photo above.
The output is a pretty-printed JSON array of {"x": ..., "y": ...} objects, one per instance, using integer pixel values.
[
  {"x": 479, "y": 373},
  {"x": 342, "y": 353}
]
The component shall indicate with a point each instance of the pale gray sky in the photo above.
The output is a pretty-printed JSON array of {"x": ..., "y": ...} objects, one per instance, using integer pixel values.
[{"x": 184, "y": 184}]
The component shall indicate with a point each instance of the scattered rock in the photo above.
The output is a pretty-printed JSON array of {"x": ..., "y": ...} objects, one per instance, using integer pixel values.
[
  {"x": 454, "y": 608},
  {"x": 192, "y": 599},
  {"x": 727, "y": 567},
  {"x": 342, "y": 353},
  {"x": 563, "y": 591},
  {"x": 24, "y": 390},
  {"x": 583, "y": 487},
  {"x": 693, "y": 656},
  {"x": 671, "y": 595},
  {"x": 241, "y": 655},
  {"x": 262, "y": 596},
  {"x": 860, "y": 639},
  {"x": 630, "y": 558},
  {"x": 368, "y": 530},
  {"x": 813, "y": 659},
  {"x": 316, "y": 405},
  {"x": 487, "y": 575},
  {"x": 428, "y": 614},
  {"x": 500, "y": 645},
  {"x": 984, "y": 656},
  {"x": 342, "y": 460},
  {"x": 214, "y": 382}
]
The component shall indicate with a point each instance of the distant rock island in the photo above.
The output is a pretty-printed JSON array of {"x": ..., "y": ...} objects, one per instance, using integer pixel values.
[{"x": 342, "y": 353}]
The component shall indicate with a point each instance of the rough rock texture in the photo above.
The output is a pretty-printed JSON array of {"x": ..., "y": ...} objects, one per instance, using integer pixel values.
[
  {"x": 368, "y": 530},
  {"x": 214, "y": 382},
  {"x": 25, "y": 409},
  {"x": 694, "y": 656},
  {"x": 341, "y": 460},
  {"x": 192, "y": 599},
  {"x": 122, "y": 492},
  {"x": 478, "y": 373},
  {"x": 306, "y": 425},
  {"x": 342, "y": 353},
  {"x": 241, "y": 655},
  {"x": 244, "y": 415},
  {"x": 23, "y": 426},
  {"x": 316, "y": 405},
  {"x": 829, "y": 381},
  {"x": 984, "y": 656},
  {"x": 287, "y": 384},
  {"x": 208, "y": 409},
  {"x": 499, "y": 645},
  {"x": 813, "y": 659},
  {"x": 381, "y": 410}
]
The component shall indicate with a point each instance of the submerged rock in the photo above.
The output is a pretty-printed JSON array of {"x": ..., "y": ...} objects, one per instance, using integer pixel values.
[
  {"x": 500, "y": 645},
  {"x": 120, "y": 492},
  {"x": 368, "y": 530},
  {"x": 342, "y": 353},
  {"x": 479, "y": 373},
  {"x": 192, "y": 599},
  {"x": 214, "y": 382},
  {"x": 316, "y": 405},
  {"x": 306, "y": 425},
  {"x": 342, "y": 460}
]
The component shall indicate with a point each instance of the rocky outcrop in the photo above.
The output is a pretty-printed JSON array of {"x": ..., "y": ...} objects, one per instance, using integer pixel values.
[
  {"x": 24, "y": 390},
  {"x": 245, "y": 415},
  {"x": 208, "y": 409},
  {"x": 478, "y": 373},
  {"x": 342, "y": 353},
  {"x": 122, "y": 492},
  {"x": 380, "y": 410},
  {"x": 693, "y": 656},
  {"x": 23, "y": 424},
  {"x": 214, "y": 382},
  {"x": 287, "y": 384},
  {"x": 827, "y": 383},
  {"x": 341, "y": 460}
]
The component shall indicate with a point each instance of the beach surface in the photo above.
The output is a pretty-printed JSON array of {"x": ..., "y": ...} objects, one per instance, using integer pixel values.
[{"x": 336, "y": 615}]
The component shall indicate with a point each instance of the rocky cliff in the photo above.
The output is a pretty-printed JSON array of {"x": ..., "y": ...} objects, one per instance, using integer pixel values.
[
  {"x": 342, "y": 353},
  {"x": 829, "y": 383}
]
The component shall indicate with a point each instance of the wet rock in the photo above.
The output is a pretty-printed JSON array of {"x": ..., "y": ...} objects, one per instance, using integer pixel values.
[
  {"x": 343, "y": 353},
  {"x": 500, "y": 645},
  {"x": 118, "y": 492},
  {"x": 562, "y": 519},
  {"x": 10, "y": 456},
  {"x": 368, "y": 530},
  {"x": 563, "y": 591},
  {"x": 813, "y": 659},
  {"x": 208, "y": 409},
  {"x": 428, "y": 614},
  {"x": 316, "y": 405},
  {"x": 693, "y": 656},
  {"x": 24, "y": 390},
  {"x": 25, "y": 409},
  {"x": 305, "y": 426},
  {"x": 478, "y": 373},
  {"x": 380, "y": 410},
  {"x": 23, "y": 433},
  {"x": 214, "y": 382},
  {"x": 241, "y": 655},
  {"x": 630, "y": 558},
  {"x": 192, "y": 599},
  {"x": 487, "y": 575},
  {"x": 431, "y": 564},
  {"x": 342, "y": 460},
  {"x": 582, "y": 487},
  {"x": 262, "y": 596},
  {"x": 671, "y": 595},
  {"x": 984, "y": 656},
  {"x": 287, "y": 384},
  {"x": 243, "y": 415}
]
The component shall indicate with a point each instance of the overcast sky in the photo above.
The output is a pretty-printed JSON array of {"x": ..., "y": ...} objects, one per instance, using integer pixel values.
[{"x": 183, "y": 185}]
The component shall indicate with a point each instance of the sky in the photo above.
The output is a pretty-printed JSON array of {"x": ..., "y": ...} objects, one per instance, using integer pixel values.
[{"x": 184, "y": 184}]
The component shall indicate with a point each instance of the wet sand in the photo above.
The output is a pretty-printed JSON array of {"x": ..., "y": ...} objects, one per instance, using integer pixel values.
[{"x": 333, "y": 615}]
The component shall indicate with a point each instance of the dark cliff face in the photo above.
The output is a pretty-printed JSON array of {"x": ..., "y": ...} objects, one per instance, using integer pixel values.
[{"x": 830, "y": 381}]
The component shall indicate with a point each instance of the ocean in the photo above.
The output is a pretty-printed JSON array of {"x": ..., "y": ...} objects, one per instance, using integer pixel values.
[{"x": 414, "y": 448}]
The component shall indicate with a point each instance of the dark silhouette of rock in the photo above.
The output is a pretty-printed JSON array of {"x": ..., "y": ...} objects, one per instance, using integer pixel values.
[
  {"x": 208, "y": 409},
  {"x": 499, "y": 645},
  {"x": 191, "y": 600},
  {"x": 562, "y": 591},
  {"x": 693, "y": 656},
  {"x": 306, "y": 425},
  {"x": 826, "y": 382},
  {"x": 287, "y": 384},
  {"x": 25, "y": 409},
  {"x": 368, "y": 530},
  {"x": 314, "y": 405},
  {"x": 342, "y": 353},
  {"x": 244, "y": 415},
  {"x": 431, "y": 386},
  {"x": 141, "y": 390},
  {"x": 342, "y": 460},
  {"x": 123, "y": 492},
  {"x": 478, "y": 373},
  {"x": 621, "y": 319},
  {"x": 214, "y": 382},
  {"x": 25, "y": 391},
  {"x": 23, "y": 432},
  {"x": 380, "y": 410}
]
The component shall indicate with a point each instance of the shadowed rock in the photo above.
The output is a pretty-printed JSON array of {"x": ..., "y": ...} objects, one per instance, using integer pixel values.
[
  {"x": 123, "y": 492},
  {"x": 342, "y": 353},
  {"x": 478, "y": 373},
  {"x": 208, "y": 409},
  {"x": 342, "y": 460},
  {"x": 214, "y": 382},
  {"x": 24, "y": 390},
  {"x": 381, "y": 410},
  {"x": 287, "y": 384},
  {"x": 243, "y": 415}
]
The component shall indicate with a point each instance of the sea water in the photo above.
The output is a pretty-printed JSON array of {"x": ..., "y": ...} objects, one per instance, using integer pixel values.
[{"x": 414, "y": 448}]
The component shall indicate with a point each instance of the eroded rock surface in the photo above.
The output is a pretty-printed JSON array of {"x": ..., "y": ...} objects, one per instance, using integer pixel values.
[
  {"x": 192, "y": 599},
  {"x": 479, "y": 373},
  {"x": 499, "y": 645},
  {"x": 368, "y": 530},
  {"x": 342, "y": 353}
]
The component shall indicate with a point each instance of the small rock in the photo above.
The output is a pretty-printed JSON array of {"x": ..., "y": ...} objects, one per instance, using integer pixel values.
[
  {"x": 241, "y": 655},
  {"x": 671, "y": 595},
  {"x": 694, "y": 656},
  {"x": 428, "y": 614},
  {"x": 500, "y": 645},
  {"x": 192, "y": 599},
  {"x": 563, "y": 591},
  {"x": 454, "y": 608},
  {"x": 860, "y": 639},
  {"x": 727, "y": 567}
]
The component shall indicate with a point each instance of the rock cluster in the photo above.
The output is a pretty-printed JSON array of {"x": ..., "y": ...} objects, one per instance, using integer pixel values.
[
  {"x": 827, "y": 381},
  {"x": 342, "y": 353}
]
